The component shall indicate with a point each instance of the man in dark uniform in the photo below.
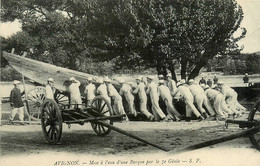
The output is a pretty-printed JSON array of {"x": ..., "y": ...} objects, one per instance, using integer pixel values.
[
  {"x": 246, "y": 79},
  {"x": 16, "y": 102},
  {"x": 202, "y": 81},
  {"x": 215, "y": 79},
  {"x": 209, "y": 82}
]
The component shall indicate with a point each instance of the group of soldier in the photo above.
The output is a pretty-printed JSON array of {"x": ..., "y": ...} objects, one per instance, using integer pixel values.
[
  {"x": 218, "y": 100},
  {"x": 200, "y": 99}
]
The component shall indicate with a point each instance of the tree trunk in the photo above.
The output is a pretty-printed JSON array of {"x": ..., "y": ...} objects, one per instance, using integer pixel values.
[
  {"x": 164, "y": 73},
  {"x": 195, "y": 72},
  {"x": 183, "y": 69},
  {"x": 171, "y": 68},
  {"x": 161, "y": 69}
]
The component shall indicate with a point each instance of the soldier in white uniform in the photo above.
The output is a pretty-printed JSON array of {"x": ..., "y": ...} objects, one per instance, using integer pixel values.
[
  {"x": 152, "y": 90},
  {"x": 188, "y": 99},
  {"x": 219, "y": 103},
  {"x": 126, "y": 91},
  {"x": 90, "y": 91},
  {"x": 140, "y": 89},
  {"x": 231, "y": 97},
  {"x": 200, "y": 98},
  {"x": 118, "y": 103},
  {"x": 50, "y": 90},
  {"x": 102, "y": 89},
  {"x": 75, "y": 97},
  {"x": 165, "y": 94}
]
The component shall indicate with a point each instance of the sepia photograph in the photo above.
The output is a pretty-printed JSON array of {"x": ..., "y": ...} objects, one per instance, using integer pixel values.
[{"x": 130, "y": 83}]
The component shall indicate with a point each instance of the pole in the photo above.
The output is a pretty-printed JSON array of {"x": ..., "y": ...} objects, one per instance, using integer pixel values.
[
  {"x": 132, "y": 136},
  {"x": 25, "y": 93},
  {"x": 218, "y": 140}
]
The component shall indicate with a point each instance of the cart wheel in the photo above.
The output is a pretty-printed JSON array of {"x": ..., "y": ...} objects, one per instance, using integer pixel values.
[
  {"x": 102, "y": 106},
  {"x": 35, "y": 98},
  {"x": 254, "y": 115},
  {"x": 61, "y": 99},
  {"x": 51, "y": 121}
]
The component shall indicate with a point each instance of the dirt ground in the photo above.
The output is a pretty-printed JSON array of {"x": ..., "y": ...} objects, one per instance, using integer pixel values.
[{"x": 25, "y": 145}]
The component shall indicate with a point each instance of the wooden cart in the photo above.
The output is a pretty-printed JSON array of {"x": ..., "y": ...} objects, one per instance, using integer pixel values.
[{"x": 53, "y": 115}]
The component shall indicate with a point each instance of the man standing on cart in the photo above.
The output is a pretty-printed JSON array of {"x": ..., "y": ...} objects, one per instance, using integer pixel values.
[
  {"x": 90, "y": 91},
  {"x": 50, "y": 89},
  {"x": 75, "y": 97}
]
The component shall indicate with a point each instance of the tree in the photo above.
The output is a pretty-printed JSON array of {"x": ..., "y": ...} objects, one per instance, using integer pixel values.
[
  {"x": 162, "y": 33},
  {"x": 151, "y": 33}
]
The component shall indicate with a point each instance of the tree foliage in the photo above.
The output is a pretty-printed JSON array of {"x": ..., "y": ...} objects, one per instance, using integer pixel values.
[{"x": 152, "y": 33}]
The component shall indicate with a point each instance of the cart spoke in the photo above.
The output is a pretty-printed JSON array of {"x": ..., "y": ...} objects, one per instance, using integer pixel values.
[
  {"x": 99, "y": 103},
  {"x": 105, "y": 112},
  {"x": 47, "y": 112},
  {"x": 103, "y": 128},
  {"x": 99, "y": 128},
  {"x": 95, "y": 125},
  {"x": 47, "y": 122},
  {"x": 101, "y": 110},
  {"x": 61, "y": 97},
  {"x": 36, "y": 99},
  {"x": 52, "y": 133},
  {"x": 48, "y": 132}
]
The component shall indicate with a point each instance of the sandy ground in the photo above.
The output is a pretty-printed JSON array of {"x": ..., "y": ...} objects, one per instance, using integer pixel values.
[{"x": 25, "y": 145}]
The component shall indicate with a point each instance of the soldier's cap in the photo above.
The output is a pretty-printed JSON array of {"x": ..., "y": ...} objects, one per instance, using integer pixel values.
[
  {"x": 150, "y": 78},
  {"x": 106, "y": 79},
  {"x": 204, "y": 86},
  {"x": 169, "y": 75},
  {"x": 72, "y": 79},
  {"x": 191, "y": 81},
  {"x": 179, "y": 83},
  {"x": 50, "y": 80},
  {"x": 16, "y": 82},
  {"x": 161, "y": 81},
  {"x": 138, "y": 78},
  {"x": 99, "y": 81},
  {"x": 182, "y": 81},
  {"x": 220, "y": 83},
  {"x": 121, "y": 81},
  {"x": 160, "y": 76},
  {"x": 90, "y": 79}
]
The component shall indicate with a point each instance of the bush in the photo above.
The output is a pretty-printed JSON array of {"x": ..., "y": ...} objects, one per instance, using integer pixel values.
[{"x": 9, "y": 74}]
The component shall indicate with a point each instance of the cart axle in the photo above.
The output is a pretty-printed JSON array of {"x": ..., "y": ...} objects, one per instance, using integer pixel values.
[{"x": 90, "y": 119}]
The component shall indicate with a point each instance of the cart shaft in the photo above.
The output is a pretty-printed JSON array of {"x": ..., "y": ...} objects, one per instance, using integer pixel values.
[
  {"x": 132, "y": 136},
  {"x": 243, "y": 124},
  {"x": 219, "y": 140}
]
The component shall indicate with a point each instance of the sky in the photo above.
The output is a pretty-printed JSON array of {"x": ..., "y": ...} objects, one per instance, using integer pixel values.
[{"x": 251, "y": 22}]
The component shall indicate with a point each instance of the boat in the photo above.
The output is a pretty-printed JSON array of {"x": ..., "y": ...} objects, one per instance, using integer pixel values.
[{"x": 39, "y": 72}]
